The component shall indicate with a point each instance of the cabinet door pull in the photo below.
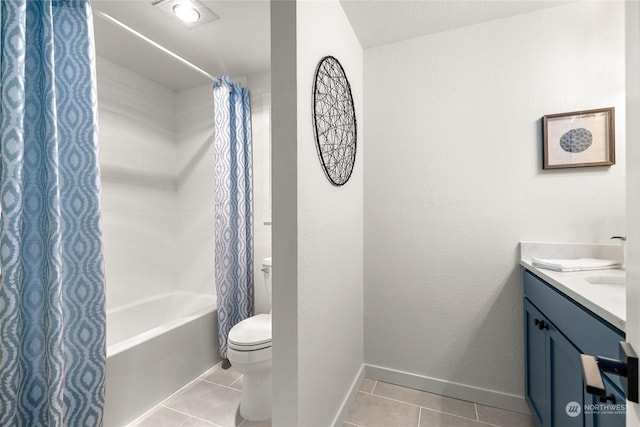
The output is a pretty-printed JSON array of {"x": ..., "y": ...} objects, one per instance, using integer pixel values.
[
  {"x": 605, "y": 399},
  {"x": 541, "y": 324}
]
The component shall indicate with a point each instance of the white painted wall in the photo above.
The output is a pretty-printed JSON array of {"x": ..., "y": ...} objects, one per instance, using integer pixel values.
[
  {"x": 284, "y": 163},
  {"x": 453, "y": 181},
  {"x": 157, "y": 164},
  {"x": 318, "y": 240},
  {"x": 330, "y": 227}
]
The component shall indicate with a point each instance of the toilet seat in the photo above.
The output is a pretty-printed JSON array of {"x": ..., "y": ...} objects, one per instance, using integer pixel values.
[{"x": 251, "y": 334}]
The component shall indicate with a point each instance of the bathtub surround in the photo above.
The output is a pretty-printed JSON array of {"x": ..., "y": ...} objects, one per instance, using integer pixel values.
[
  {"x": 178, "y": 326},
  {"x": 233, "y": 206},
  {"x": 157, "y": 161},
  {"x": 145, "y": 193},
  {"x": 52, "y": 340},
  {"x": 157, "y": 158}
]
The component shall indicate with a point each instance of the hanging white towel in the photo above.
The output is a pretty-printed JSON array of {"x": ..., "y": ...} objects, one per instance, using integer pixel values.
[{"x": 579, "y": 264}]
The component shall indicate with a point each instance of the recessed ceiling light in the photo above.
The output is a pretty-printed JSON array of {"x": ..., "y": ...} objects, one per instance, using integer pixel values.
[
  {"x": 190, "y": 13},
  {"x": 186, "y": 12}
]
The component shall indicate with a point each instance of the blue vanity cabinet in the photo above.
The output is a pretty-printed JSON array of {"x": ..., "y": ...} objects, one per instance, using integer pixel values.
[
  {"x": 535, "y": 345},
  {"x": 611, "y": 415},
  {"x": 565, "y": 381},
  {"x": 553, "y": 375},
  {"x": 557, "y": 330}
]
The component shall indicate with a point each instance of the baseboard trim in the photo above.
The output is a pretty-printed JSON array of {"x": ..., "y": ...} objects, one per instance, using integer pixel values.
[
  {"x": 483, "y": 396},
  {"x": 349, "y": 398}
]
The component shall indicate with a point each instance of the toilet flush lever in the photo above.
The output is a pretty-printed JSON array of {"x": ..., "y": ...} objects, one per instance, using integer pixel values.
[
  {"x": 626, "y": 367},
  {"x": 265, "y": 270}
]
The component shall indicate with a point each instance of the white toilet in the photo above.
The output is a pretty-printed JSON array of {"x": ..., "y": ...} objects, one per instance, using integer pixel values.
[{"x": 249, "y": 351}]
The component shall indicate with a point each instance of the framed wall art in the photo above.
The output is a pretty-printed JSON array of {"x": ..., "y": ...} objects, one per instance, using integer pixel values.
[{"x": 579, "y": 139}]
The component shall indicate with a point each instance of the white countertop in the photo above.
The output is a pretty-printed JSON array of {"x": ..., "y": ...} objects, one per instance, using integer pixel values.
[{"x": 606, "y": 300}]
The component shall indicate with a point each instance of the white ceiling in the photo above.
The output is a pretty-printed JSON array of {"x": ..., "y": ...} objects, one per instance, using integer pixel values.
[
  {"x": 238, "y": 44},
  {"x": 378, "y": 22}
]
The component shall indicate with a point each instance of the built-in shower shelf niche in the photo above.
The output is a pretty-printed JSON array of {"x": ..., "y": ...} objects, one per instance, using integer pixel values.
[{"x": 138, "y": 177}]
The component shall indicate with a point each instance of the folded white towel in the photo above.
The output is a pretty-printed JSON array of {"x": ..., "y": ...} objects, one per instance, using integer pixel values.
[{"x": 575, "y": 264}]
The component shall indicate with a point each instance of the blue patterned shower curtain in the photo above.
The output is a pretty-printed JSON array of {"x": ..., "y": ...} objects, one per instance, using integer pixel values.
[
  {"x": 233, "y": 206},
  {"x": 52, "y": 317}
]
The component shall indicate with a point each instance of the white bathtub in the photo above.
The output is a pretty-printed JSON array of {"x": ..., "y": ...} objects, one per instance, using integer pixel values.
[{"x": 154, "y": 347}]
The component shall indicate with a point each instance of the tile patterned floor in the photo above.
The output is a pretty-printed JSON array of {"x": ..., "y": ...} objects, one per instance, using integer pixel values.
[
  {"x": 381, "y": 404},
  {"x": 214, "y": 398}
]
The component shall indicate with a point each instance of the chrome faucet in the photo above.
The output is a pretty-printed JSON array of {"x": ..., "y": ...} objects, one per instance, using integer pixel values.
[{"x": 624, "y": 248}]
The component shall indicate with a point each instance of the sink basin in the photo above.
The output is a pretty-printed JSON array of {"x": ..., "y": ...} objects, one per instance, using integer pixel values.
[{"x": 606, "y": 280}]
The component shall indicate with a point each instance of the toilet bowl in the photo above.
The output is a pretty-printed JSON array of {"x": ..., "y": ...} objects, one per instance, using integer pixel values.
[{"x": 249, "y": 351}]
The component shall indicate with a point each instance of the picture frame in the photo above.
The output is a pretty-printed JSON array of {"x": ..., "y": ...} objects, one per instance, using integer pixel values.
[{"x": 579, "y": 139}]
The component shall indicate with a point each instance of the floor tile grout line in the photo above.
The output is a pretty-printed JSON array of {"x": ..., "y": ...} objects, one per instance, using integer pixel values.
[
  {"x": 220, "y": 385},
  {"x": 421, "y": 391},
  {"x": 161, "y": 403},
  {"x": 190, "y": 417},
  {"x": 211, "y": 422},
  {"x": 200, "y": 377},
  {"x": 209, "y": 370},
  {"x": 202, "y": 419},
  {"x": 458, "y": 416},
  {"x": 423, "y": 407},
  {"x": 237, "y": 379},
  {"x": 475, "y": 406},
  {"x": 194, "y": 417}
]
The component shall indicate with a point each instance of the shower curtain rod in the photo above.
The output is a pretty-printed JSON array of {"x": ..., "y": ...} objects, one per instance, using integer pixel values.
[{"x": 125, "y": 27}]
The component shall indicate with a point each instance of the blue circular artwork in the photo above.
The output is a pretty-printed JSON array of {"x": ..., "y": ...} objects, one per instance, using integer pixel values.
[{"x": 576, "y": 140}]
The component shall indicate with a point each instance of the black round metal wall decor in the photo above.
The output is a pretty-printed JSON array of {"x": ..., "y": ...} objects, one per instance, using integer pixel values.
[{"x": 334, "y": 121}]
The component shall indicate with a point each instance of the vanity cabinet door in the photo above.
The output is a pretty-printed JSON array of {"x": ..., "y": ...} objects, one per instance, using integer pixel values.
[
  {"x": 535, "y": 349},
  {"x": 565, "y": 387},
  {"x": 553, "y": 380},
  {"x": 557, "y": 330},
  {"x": 611, "y": 413}
]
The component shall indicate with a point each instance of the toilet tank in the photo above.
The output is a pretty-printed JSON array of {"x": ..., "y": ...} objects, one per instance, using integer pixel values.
[{"x": 266, "y": 270}]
